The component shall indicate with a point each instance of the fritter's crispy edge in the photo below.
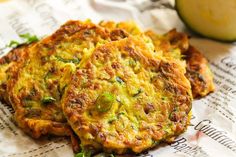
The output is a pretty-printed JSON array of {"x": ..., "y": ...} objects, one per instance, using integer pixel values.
[
  {"x": 9, "y": 63},
  {"x": 198, "y": 70},
  {"x": 199, "y": 73}
]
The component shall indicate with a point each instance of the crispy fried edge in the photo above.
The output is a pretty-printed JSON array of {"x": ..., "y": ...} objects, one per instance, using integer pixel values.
[
  {"x": 11, "y": 60},
  {"x": 199, "y": 73}
]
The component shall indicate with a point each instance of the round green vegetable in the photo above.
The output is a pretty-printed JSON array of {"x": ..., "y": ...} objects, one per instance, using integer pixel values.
[
  {"x": 215, "y": 19},
  {"x": 104, "y": 102}
]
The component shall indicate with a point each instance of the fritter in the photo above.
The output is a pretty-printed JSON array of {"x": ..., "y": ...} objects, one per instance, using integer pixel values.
[
  {"x": 176, "y": 45},
  {"x": 38, "y": 84},
  {"x": 198, "y": 73},
  {"x": 124, "y": 98},
  {"x": 14, "y": 57}
]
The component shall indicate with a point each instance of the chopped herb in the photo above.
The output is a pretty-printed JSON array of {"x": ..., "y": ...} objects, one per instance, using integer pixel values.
[
  {"x": 120, "y": 114},
  {"x": 75, "y": 60},
  {"x": 132, "y": 63},
  {"x": 104, "y": 102},
  {"x": 138, "y": 92},
  {"x": 62, "y": 90},
  {"x": 117, "y": 25},
  {"x": 167, "y": 128},
  {"x": 112, "y": 119},
  {"x": 20, "y": 89},
  {"x": 84, "y": 153},
  {"x": 48, "y": 100},
  {"x": 155, "y": 142},
  {"x": 79, "y": 155},
  {"x": 118, "y": 79},
  {"x": 33, "y": 92},
  {"x": 48, "y": 74},
  {"x": 29, "y": 38},
  {"x": 164, "y": 98},
  {"x": 13, "y": 43}
]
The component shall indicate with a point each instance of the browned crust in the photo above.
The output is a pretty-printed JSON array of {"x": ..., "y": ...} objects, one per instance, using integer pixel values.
[
  {"x": 199, "y": 73},
  {"x": 169, "y": 41},
  {"x": 9, "y": 64},
  {"x": 35, "y": 128}
]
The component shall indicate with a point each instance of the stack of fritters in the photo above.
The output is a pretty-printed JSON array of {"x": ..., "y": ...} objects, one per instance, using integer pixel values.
[{"x": 119, "y": 89}]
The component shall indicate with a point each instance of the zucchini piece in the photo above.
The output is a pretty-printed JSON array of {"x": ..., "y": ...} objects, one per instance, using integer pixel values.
[
  {"x": 104, "y": 102},
  {"x": 48, "y": 100},
  {"x": 74, "y": 60},
  {"x": 215, "y": 19}
]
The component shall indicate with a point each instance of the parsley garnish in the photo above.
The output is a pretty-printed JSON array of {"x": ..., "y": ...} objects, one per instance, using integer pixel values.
[
  {"x": 13, "y": 43},
  {"x": 75, "y": 60},
  {"x": 84, "y": 153},
  {"x": 48, "y": 100},
  {"x": 28, "y": 38}
]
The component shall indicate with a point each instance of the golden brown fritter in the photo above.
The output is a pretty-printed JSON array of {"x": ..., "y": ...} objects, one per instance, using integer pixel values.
[
  {"x": 16, "y": 55},
  {"x": 124, "y": 98},
  {"x": 38, "y": 84},
  {"x": 198, "y": 73},
  {"x": 176, "y": 45},
  {"x": 122, "y": 92},
  {"x": 169, "y": 41}
]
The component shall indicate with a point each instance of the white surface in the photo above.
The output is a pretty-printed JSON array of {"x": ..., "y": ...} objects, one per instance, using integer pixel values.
[{"x": 211, "y": 115}]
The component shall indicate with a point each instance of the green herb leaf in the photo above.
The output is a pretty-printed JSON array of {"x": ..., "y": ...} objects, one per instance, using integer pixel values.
[
  {"x": 13, "y": 43},
  {"x": 138, "y": 92},
  {"x": 164, "y": 98},
  {"x": 61, "y": 91},
  {"x": 47, "y": 100},
  {"x": 112, "y": 119},
  {"x": 80, "y": 155},
  {"x": 75, "y": 60},
  {"x": 132, "y": 63},
  {"x": 104, "y": 102},
  {"x": 120, "y": 114},
  {"x": 84, "y": 153},
  {"x": 29, "y": 38},
  {"x": 118, "y": 79},
  {"x": 47, "y": 75}
]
